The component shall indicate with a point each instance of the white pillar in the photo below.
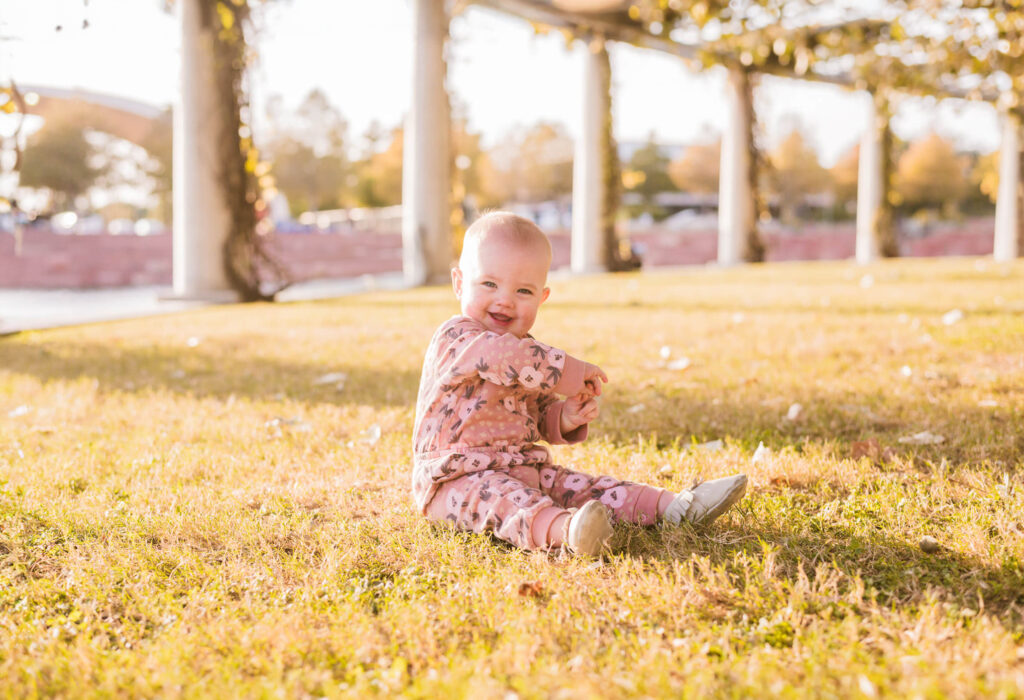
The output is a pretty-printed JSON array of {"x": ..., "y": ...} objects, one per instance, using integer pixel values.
[
  {"x": 735, "y": 198},
  {"x": 1004, "y": 247},
  {"x": 201, "y": 214},
  {"x": 587, "y": 183},
  {"x": 869, "y": 184},
  {"x": 426, "y": 181}
]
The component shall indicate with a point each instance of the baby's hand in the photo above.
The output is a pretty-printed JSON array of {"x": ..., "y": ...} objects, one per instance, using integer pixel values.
[
  {"x": 578, "y": 410},
  {"x": 591, "y": 374}
]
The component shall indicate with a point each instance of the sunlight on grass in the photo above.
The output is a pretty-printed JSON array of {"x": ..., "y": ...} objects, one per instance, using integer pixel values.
[{"x": 186, "y": 511}]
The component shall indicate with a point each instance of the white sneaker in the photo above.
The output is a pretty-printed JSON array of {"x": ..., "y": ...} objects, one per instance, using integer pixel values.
[
  {"x": 706, "y": 501},
  {"x": 589, "y": 529}
]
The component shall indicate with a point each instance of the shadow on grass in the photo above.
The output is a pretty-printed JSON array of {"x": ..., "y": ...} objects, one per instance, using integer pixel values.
[
  {"x": 895, "y": 573},
  {"x": 970, "y": 433},
  {"x": 209, "y": 371}
]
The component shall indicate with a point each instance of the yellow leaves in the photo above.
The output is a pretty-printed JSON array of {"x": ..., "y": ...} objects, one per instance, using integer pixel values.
[
  {"x": 986, "y": 175},
  {"x": 633, "y": 178},
  {"x": 896, "y": 31},
  {"x": 226, "y": 15},
  {"x": 699, "y": 13},
  {"x": 930, "y": 171},
  {"x": 252, "y": 160}
]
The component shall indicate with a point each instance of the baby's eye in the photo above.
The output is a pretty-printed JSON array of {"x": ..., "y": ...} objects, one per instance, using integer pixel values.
[
  {"x": 490, "y": 284},
  {"x": 525, "y": 291}
]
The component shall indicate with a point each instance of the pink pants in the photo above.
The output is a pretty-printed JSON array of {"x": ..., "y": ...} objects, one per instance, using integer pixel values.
[{"x": 520, "y": 504}]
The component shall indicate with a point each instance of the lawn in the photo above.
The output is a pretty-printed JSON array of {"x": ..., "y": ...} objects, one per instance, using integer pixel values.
[{"x": 215, "y": 503}]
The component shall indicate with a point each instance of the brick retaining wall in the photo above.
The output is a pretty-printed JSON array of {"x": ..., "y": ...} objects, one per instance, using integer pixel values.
[{"x": 52, "y": 261}]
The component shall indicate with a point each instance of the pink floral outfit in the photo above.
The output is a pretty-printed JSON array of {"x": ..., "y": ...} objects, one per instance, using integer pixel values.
[{"x": 485, "y": 400}]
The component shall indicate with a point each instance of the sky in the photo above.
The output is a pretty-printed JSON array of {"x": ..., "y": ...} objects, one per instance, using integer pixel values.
[{"x": 359, "y": 53}]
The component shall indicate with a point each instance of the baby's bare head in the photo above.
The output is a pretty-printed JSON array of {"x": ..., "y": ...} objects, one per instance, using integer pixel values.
[{"x": 508, "y": 230}]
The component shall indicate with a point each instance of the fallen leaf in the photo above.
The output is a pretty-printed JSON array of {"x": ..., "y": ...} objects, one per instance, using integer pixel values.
[
  {"x": 1003, "y": 489},
  {"x": 371, "y": 435},
  {"x": 710, "y": 446},
  {"x": 761, "y": 454},
  {"x": 922, "y": 438},
  {"x": 794, "y": 412},
  {"x": 296, "y": 424},
  {"x": 865, "y": 448},
  {"x": 928, "y": 544},
  {"x": 952, "y": 316},
  {"x": 680, "y": 364},
  {"x": 336, "y": 378},
  {"x": 576, "y": 663},
  {"x": 531, "y": 589}
]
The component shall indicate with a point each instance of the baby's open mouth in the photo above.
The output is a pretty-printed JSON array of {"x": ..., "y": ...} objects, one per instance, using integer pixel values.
[{"x": 501, "y": 318}]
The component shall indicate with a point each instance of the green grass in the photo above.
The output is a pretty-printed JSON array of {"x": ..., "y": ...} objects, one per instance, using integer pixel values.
[{"x": 184, "y": 512}]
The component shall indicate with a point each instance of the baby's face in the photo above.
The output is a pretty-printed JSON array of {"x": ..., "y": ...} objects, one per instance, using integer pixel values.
[{"x": 501, "y": 285}]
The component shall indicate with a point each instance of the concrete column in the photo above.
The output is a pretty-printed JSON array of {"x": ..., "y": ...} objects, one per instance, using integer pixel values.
[
  {"x": 1004, "y": 247},
  {"x": 426, "y": 178},
  {"x": 587, "y": 183},
  {"x": 201, "y": 214},
  {"x": 735, "y": 198},
  {"x": 869, "y": 183}
]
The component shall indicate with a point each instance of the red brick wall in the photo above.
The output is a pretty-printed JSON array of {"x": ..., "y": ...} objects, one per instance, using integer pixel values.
[{"x": 49, "y": 260}]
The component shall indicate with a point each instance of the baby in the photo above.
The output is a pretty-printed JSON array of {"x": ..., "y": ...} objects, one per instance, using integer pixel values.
[{"x": 489, "y": 392}]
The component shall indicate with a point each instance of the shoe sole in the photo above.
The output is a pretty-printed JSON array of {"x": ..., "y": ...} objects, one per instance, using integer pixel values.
[
  {"x": 735, "y": 494},
  {"x": 593, "y": 514}
]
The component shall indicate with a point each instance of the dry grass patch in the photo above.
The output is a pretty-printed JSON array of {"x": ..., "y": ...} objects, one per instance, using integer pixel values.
[{"x": 188, "y": 508}]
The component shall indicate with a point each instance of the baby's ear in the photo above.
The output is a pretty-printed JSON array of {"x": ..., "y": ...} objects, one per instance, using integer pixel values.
[
  {"x": 544, "y": 294},
  {"x": 457, "y": 281}
]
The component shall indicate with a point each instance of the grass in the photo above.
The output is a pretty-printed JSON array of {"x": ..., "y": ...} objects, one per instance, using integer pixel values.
[{"x": 186, "y": 512}]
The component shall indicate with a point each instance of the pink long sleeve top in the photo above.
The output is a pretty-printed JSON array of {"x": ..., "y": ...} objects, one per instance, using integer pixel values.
[{"x": 485, "y": 400}]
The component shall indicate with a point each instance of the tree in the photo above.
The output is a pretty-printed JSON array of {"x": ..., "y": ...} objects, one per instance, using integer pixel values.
[
  {"x": 250, "y": 268},
  {"x": 308, "y": 154},
  {"x": 843, "y": 176},
  {"x": 320, "y": 125},
  {"x": 473, "y": 171},
  {"x": 534, "y": 164},
  {"x": 59, "y": 158},
  {"x": 310, "y": 183},
  {"x": 985, "y": 175},
  {"x": 795, "y": 173},
  {"x": 929, "y": 174},
  {"x": 380, "y": 174},
  {"x": 697, "y": 169},
  {"x": 646, "y": 174}
]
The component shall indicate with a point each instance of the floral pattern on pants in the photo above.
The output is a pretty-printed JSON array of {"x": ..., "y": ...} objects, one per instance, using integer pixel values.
[{"x": 506, "y": 503}]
